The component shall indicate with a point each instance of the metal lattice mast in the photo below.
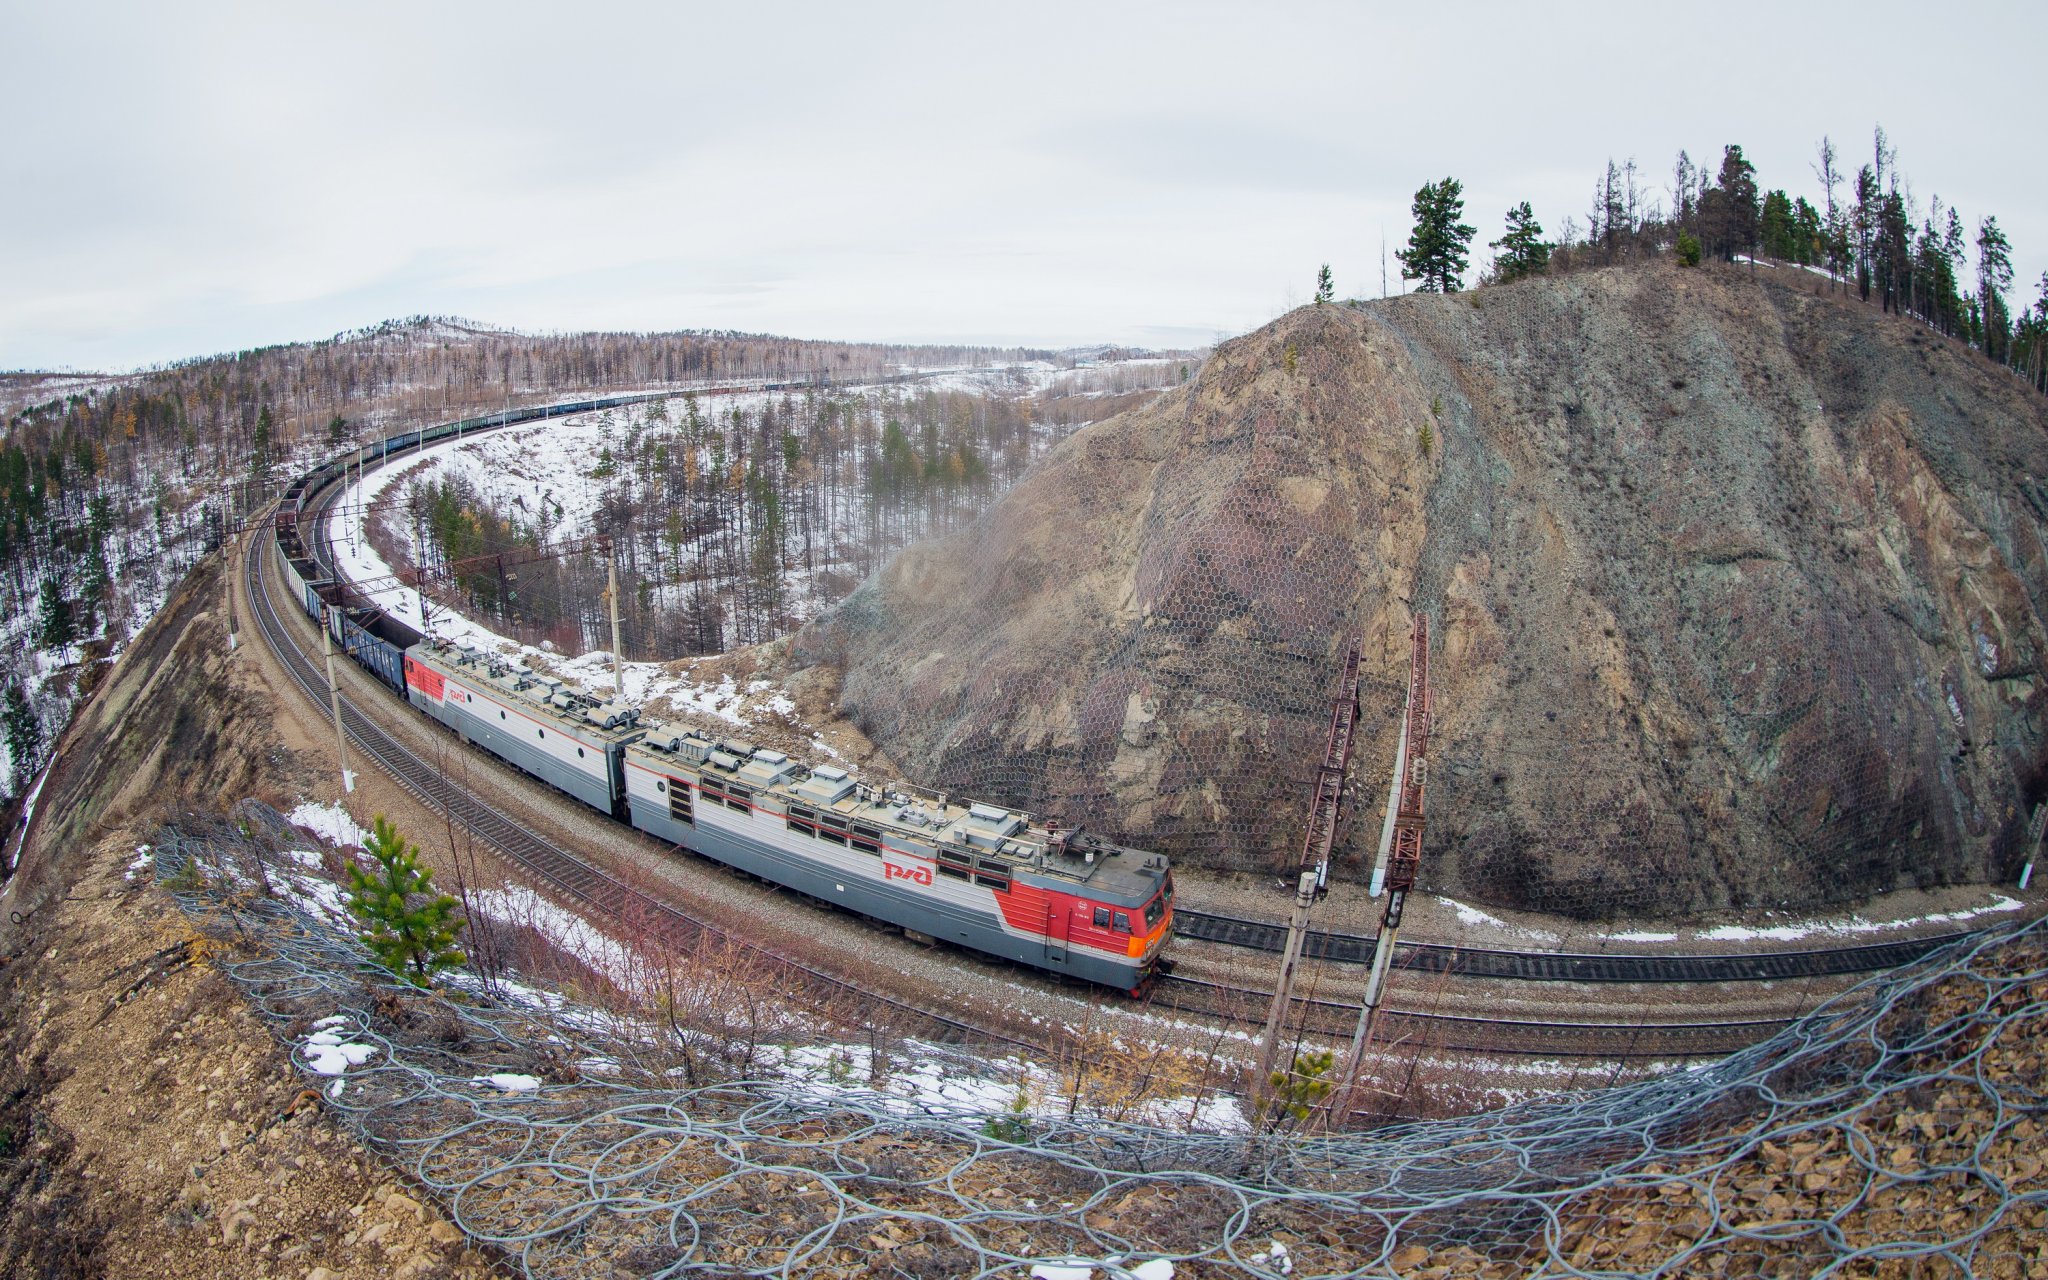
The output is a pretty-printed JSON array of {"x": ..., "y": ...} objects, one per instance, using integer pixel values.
[
  {"x": 1314, "y": 877},
  {"x": 1405, "y": 854}
]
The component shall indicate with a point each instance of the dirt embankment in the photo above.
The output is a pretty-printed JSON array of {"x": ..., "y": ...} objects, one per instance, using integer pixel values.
[
  {"x": 149, "y": 1125},
  {"x": 1736, "y": 591}
]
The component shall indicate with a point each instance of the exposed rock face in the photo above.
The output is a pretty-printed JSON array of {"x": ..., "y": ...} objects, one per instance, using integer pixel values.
[{"x": 1736, "y": 593}]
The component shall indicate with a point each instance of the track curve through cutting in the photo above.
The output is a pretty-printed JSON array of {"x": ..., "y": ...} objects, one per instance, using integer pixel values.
[{"x": 587, "y": 883}]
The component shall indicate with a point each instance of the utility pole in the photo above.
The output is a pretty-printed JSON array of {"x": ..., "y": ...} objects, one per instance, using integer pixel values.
[
  {"x": 227, "y": 549},
  {"x": 611, "y": 593},
  {"x": 1405, "y": 809},
  {"x": 1314, "y": 879},
  {"x": 348, "y": 784}
]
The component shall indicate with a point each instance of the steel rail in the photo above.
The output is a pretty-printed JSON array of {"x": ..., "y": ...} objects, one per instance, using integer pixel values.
[{"x": 1521, "y": 1037}]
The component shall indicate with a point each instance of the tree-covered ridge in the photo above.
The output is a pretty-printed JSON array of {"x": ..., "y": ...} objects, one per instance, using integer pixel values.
[
  {"x": 111, "y": 487},
  {"x": 1866, "y": 230}
]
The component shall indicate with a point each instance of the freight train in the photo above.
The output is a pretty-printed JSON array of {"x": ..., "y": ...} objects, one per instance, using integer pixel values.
[{"x": 974, "y": 875}]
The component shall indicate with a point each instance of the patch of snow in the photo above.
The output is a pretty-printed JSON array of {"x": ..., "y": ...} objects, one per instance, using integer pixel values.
[
  {"x": 1473, "y": 918},
  {"x": 144, "y": 859},
  {"x": 509, "y": 1082},
  {"x": 327, "y": 1054},
  {"x": 567, "y": 931},
  {"x": 28, "y": 815},
  {"x": 1155, "y": 1269},
  {"x": 1643, "y": 935},
  {"x": 330, "y": 822},
  {"x": 1067, "y": 1269},
  {"x": 1797, "y": 930}
]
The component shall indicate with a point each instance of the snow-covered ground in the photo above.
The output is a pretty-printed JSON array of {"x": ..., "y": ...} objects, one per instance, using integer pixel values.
[
  {"x": 916, "y": 1078},
  {"x": 541, "y": 473}
]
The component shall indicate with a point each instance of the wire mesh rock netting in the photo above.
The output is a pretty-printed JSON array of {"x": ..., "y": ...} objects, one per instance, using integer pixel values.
[
  {"x": 1734, "y": 605},
  {"x": 1896, "y": 1131}
]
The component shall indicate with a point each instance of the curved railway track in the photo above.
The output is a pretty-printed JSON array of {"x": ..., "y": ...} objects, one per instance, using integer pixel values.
[
  {"x": 567, "y": 873},
  {"x": 588, "y": 884}
]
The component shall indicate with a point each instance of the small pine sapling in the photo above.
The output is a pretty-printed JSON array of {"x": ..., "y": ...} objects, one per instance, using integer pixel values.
[
  {"x": 1326, "y": 289},
  {"x": 1297, "y": 1090},
  {"x": 1014, "y": 1123},
  {"x": 1688, "y": 249},
  {"x": 407, "y": 924}
]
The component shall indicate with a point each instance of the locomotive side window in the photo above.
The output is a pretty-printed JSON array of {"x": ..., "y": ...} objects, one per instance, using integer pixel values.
[
  {"x": 1123, "y": 922},
  {"x": 1153, "y": 910},
  {"x": 1102, "y": 917},
  {"x": 953, "y": 863}
]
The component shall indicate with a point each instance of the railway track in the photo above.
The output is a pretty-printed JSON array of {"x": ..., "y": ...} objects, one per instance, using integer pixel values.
[
  {"x": 1564, "y": 966},
  {"x": 588, "y": 884},
  {"x": 1521, "y": 1037},
  {"x": 1485, "y": 962},
  {"x": 557, "y": 867}
]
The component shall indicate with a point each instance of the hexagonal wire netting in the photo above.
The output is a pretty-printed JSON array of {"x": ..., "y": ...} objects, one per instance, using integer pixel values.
[{"x": 1898, "y": 1129}]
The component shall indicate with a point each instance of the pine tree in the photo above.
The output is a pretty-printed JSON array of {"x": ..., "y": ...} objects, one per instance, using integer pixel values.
[
  {"x": 24, "y": 734},
  {"x": 1325, "y": 290},
  {"x": 1437, "y": 248},
  {"x": 1994, "y": 277},
  {"x": 1729, "y": 213},
  {"x": 337, "y": 427},
  {"x": 407, "y": 924},
  {"x": 55, "y": 628},
  {"x": 259, "y": 457},
  {"x": 1779, "y": 228},
  {"x": 1521, "y": 251}
]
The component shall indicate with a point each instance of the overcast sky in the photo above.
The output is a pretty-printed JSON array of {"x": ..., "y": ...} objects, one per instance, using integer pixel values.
[{"x": 190, "y": 179}]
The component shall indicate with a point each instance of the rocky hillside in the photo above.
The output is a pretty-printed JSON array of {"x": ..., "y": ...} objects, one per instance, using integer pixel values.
[{"x": 1736, "y": 591}]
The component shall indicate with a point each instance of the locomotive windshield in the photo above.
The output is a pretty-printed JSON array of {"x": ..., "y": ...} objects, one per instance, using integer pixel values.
[{"x": 1153, "y": 910}]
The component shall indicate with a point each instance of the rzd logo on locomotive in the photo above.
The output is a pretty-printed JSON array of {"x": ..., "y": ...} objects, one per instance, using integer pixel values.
[{"x": 919, "y": 875}]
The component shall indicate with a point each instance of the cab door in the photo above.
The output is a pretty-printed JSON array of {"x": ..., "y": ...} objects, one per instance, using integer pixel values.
[{"x": 1057, "y": 918}]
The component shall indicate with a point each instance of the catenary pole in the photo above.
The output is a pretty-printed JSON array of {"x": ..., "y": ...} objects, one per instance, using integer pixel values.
[{"x": 334, "y": 699}]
